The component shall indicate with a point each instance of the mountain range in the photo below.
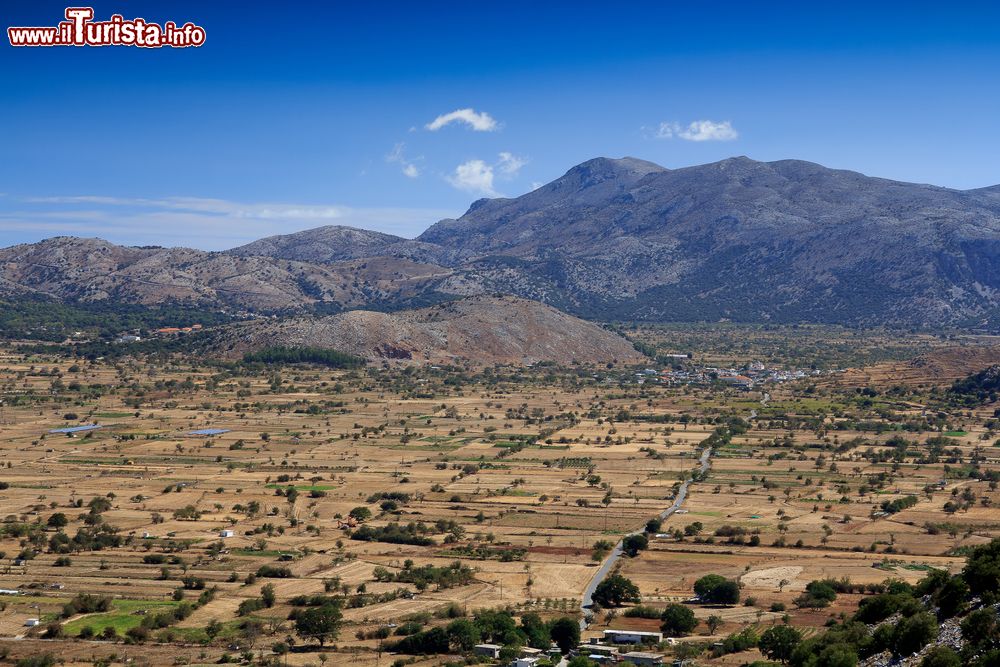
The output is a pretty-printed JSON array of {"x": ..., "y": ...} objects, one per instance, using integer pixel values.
[{"x": 612, "y": 239}]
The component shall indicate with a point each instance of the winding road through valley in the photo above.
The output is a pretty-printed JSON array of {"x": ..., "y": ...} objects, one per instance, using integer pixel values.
[{"x": 616, "y": 553}]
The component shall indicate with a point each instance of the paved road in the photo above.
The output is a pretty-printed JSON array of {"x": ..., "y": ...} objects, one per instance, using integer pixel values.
[{"x": 616, "y": 553}]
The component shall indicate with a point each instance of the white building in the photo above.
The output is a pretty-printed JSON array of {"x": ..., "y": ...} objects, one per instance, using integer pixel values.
[
  {"x": 643, "y": 658},
  {"x": 487, "y": 650},
  {"x": 603, "y": 650},
  {"x": 632, "y": 637},
  {"x": 525, "y": 662}
]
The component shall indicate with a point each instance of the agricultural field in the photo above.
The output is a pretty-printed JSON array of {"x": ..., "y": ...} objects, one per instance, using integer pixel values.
[
  {"x": 817, "y": 345},
  {"x": 198, "y": 512}
]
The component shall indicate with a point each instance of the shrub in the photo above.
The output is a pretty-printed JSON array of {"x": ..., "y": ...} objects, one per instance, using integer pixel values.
[
  {"x": 273, "y": 572},
  {"x": 716, "y": 589},
  {"x": 565, "y": 632},
  {"x": 982, "y": 570},
  {"x": 360, "y": 513},
  {"x": 913, "y": 633},
  {"x": 84, "y": 603},
  {"x": 248, "y": 607},
  {"x": 818, "y": 594},
  {"x": 778, "y": 642},
  {"x": 641, "y": 611},
  {"x": 633, "y": 544},
  {"x": 877, "y": 608},
  {"x": 44, "y": 660},
  {"x": 678, "y": 620},
  {"x": 393, "y": 533},
  {"x": 941, "y": 656},
  {"x": 303, "y": 355},
  {"x": 615, "y": 591}
]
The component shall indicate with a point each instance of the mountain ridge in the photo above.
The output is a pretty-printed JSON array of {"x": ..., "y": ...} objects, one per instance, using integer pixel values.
[{"x": 625, "y": 239}]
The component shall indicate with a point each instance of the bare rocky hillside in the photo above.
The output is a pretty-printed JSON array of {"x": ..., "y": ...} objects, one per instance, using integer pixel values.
[{"x": 483, "y": 330}]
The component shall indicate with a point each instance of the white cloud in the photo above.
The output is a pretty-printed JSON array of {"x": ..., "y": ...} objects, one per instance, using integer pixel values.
[
  {"x": 397, "y": 156},
  {"x": 510, "y": 164},
  {"x": 477, "y": 176},
  {"x": 474, "y": 176},
  {"x": 667, "y": 130},
  {"x": 478, "y": 121},
  {"x": 699, "y": 130}
]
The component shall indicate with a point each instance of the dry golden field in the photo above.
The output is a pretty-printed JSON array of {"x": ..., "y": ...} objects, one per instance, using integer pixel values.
[{"x": 516, "y": 473}]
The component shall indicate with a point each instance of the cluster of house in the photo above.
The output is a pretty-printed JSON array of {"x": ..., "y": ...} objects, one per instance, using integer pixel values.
[
  {"x": 529, "y": 657},
  {"x": 754, "y": 375},
  {"x": 126, "y": 338},
  {"x": 612, "y": 648}
]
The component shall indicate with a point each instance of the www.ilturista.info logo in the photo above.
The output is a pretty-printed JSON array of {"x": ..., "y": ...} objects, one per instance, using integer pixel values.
[{"x": 79, "y": 29}]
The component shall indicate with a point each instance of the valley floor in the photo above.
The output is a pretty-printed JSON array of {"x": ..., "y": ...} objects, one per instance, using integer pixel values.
[{"x": 524, "y": 476}]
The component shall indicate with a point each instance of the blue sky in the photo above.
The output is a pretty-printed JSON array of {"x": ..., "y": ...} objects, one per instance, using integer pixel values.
[{"x": 295, "y": 115}]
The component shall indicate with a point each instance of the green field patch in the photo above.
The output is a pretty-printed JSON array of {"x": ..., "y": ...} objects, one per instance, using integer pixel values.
[
  {"x": 230, "y": 630},
  {"x": 113, "y": 415},
  {"x": 891, "y": 565},
  {"x": 955, "y": 434},
  {"x": 194, "y": 635},
  {"x": 302, "y": 487},
  {"x": 127, "y": 614},
  {"x": 508, "y": 443}
]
